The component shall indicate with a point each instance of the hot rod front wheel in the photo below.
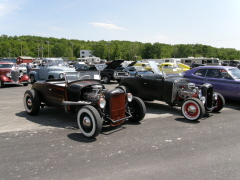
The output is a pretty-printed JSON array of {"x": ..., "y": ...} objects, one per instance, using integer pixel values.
[
  {"x": 220, "y": 103},
  {"x": 193, "y": 109},
  {"x": 31, "y": 102},
  {"x": 32, "y": 79},
  {"x": 89, "y": 121},
  {"x": 137, "y": 109},
  {"x": 2, "y": 85}
]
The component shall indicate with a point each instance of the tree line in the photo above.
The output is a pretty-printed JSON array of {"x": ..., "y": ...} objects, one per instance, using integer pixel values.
[{"x": 41, "y": 47}]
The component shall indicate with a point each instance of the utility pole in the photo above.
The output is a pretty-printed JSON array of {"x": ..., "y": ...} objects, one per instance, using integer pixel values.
[
  {"x": 9, "y": 53},
  {"x": 42, "y": 50},
  {"x": 48, "y": 47},
  {"x": 108, "y": 43},
  {"x": 21, "y": 45},
  {"x": 72, "y": 49}
]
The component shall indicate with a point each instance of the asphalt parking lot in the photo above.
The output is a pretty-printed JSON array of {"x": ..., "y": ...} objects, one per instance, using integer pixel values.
[{"x": 163, "y": 146}]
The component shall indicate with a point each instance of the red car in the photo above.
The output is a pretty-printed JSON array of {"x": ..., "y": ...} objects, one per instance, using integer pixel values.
[{"x": 10, "y": 75}]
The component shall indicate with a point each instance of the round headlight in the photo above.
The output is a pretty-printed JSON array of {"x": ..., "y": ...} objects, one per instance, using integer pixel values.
[
  {"x": 129, "y": 97},
  {"x": 215, "y": 96},
  {"x": 102, "y": 103},
  {"x": 203, "y": 99},
  {"x": 8, "y": 75},
  {"x": 61, "y": 76}
]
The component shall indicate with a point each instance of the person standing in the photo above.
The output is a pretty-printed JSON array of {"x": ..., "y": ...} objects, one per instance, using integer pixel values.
[
  {"x": 193, "y": 64},
  {"x": 28, "y": 68}
]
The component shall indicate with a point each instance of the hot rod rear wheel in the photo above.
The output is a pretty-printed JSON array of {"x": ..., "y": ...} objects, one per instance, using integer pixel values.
[
  {"x": 31, "y": 102},
  {"x": 137, "y": 109},
  {"x": 89, "y": 121},
  {"x": 193, "y": 109},
  {"x": 220, "y": 103}
]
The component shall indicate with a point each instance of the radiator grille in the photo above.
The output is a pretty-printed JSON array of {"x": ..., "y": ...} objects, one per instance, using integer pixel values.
[
  {"x": 121, "y": 73},
  {"x": 117, "y": 106},
  {"x": 15, "y": 76}
]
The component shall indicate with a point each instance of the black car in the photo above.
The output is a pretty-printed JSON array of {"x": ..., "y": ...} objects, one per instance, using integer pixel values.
[
  {"x": 111, "y": 71},
  {"x": 175, "y": 91},
  {"x": 136, "y": 70},
  {"x": 80, "y": 92}
]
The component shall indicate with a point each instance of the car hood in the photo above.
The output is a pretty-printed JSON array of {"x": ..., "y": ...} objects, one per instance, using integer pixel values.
[
  {"x": 60, "y": 68},
  {"x": 132, "y": 64},
  {"x": 3, "y": 71},
  {"x": 114, "y": 64}
]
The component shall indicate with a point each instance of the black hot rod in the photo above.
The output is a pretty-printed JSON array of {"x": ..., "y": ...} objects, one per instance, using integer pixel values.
[
  {"x": 175, "y": 91},
  {"x": 83, "y": 93}
]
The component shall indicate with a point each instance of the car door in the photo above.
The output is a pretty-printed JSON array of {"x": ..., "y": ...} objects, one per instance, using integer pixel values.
[
  {"x": 43, "y": 70},
  {"x": 225, "y": 86},
  {"x": 198, "y": 76},
  {"x": 151, "y": 88},
  {"x": 54, "y": 94}
]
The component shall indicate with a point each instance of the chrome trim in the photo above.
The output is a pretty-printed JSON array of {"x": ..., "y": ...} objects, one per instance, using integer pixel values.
[
  {"x": 67, "y": 103},
  {"x": 7, "y": 82},
  {"x": 120, "y": 119}
]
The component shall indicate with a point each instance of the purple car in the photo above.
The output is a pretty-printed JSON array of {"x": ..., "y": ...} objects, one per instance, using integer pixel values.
[{"x": 225, "y": 79}]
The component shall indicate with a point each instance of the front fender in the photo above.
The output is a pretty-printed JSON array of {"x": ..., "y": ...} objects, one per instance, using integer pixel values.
[
  {"x": 4, "y": 78},
  {"x": 24, "y": 78},
  {"x": 55, "y": 74},
  {"x": 35, "y": 74}
]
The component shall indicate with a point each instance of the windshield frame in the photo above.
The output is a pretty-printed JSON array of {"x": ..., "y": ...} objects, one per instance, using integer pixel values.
[
  {"x": 78, "y": 75},
  {"x": 235, "y": 73}
]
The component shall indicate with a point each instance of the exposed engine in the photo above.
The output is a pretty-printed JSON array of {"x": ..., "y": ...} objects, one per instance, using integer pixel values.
[
  {"x": 94, "y": 93},
  {"x": 188, "y": 91}
]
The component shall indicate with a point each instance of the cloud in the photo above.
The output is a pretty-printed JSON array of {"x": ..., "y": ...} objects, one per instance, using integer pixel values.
[
  {"x": 7, "y": 7},
  {"x": 57, "y": 29},
  {"x": 107, "y": 26}
]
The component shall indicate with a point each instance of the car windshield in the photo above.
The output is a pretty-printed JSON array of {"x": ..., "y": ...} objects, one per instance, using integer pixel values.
[
  {"x": 235, "y": 72},
  {"x": 6, "y": 65},
  {"x": 74, "y": 76},
  {"x": 140, "y": 68},
  {"x": 53, "y": 63},
  {"x": 100, "y": 66}
]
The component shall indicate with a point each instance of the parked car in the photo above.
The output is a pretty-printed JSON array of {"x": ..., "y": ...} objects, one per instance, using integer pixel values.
[
  {"x": 80, "y": 92},
  {"x": 172, "y": 68},
  {"x": 144, "y": 64},
  {"x": 10, "y": 75},
  {"x": 108, "y": 72},
  {"x": 197, "y": 65},
  {"x": 50, "y": 68},
  {"x": 175, "y": 91},
  {"x": 22, "y": 68},
  {"x": 137, "y": 70},
  {"x": 224, "y": 79}
]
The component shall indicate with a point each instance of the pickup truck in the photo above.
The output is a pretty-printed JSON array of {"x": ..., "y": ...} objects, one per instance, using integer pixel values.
[{"x": 50, "y": 68}]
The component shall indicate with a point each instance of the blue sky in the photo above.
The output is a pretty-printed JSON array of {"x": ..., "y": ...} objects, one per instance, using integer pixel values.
[{"x": 209, "y": 22}]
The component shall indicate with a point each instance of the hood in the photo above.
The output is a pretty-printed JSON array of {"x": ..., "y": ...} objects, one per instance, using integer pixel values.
[
  {"x": 114, "y": 64},
  {"x": 4, "y": 71},
  {"x": 61, "y": 68},
  {"x": 132, "y": 63}
]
